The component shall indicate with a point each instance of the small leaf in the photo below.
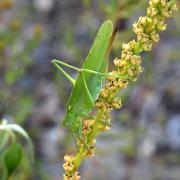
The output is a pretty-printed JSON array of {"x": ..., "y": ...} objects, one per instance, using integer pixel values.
[
  {"x": 22, "y": 132},
  {"x": 12, "y": 157}
]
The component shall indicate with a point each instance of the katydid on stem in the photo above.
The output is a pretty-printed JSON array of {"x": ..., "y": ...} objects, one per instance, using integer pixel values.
[{"x": 88, "y": 83}]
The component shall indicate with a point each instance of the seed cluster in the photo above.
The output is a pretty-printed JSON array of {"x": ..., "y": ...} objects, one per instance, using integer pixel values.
[
  {"x": 82, "y": 143},
  {"x": 69, "y": 167},
  {"x": 128, "y": 65},
  {"x": 89, "y": 146},
  {"x": 87, "y": 124},
  {"x": 147, "y": 27},
  {"x": 147, "y": 30}
]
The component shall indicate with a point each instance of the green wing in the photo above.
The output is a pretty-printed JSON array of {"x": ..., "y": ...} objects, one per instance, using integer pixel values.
[{"x": 79, "y": 104}]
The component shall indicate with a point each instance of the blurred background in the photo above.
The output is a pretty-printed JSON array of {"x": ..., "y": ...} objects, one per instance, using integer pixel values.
[{"x": 144, "y": 141}]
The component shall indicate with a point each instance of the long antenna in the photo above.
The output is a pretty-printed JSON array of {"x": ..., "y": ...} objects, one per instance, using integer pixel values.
[
  {"x": 111, "y": 42},
  {"x": 110, "y": 46}
]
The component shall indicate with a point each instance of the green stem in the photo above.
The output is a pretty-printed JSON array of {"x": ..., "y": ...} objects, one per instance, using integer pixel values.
[
  {"x": 80, "y": 156},
  {"x": 95, "y": 129},
  {"x": 138, "y": 48}
]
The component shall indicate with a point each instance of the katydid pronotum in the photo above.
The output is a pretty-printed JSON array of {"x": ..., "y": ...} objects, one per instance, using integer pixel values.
[{"x": 88, "y": 83}]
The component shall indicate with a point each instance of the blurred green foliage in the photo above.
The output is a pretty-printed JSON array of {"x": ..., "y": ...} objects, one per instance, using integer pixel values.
[
  {"x": 12, "y": 153},
  {"x": 15, "y": 58}
]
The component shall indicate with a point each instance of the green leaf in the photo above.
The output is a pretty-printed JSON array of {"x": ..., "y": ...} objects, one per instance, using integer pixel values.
[
  {"x": 21, "y": 131},
  {"x": 12, "y": 158}
]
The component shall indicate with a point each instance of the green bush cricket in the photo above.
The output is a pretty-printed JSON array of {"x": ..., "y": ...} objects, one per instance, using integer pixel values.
[{"x": 88, "y": 83}]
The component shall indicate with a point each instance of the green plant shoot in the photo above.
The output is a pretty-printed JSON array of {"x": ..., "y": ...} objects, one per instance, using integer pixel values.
[{"x": 88, "y": 83}]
